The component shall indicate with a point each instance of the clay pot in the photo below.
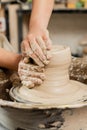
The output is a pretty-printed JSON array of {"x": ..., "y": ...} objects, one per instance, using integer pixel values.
[{"x": 57, "y": 91}]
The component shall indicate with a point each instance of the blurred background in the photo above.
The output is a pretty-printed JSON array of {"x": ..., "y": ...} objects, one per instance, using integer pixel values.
[{"x": 68, "y": 24}]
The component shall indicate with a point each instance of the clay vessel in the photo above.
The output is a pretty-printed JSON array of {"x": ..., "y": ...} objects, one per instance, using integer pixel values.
[{"x": 57, "y": 90}]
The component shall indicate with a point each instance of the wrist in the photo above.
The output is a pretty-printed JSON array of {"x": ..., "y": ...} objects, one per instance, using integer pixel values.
[
  {"x": 37, "y": 29},
  {"x": 37, "y": 24},
  {"x": 15, "y": 62},
  {"x": 14, "y": 58}
]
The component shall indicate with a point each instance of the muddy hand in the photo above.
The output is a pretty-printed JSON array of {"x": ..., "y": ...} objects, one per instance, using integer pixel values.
[
  {"x": 37, "y": 47},
  {"x": 30, "y": 75}
]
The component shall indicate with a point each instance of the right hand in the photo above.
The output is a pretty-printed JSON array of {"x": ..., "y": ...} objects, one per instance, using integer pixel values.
[
  {"x": 37, "y": 45},
  {"x": 30, "y": 75}
]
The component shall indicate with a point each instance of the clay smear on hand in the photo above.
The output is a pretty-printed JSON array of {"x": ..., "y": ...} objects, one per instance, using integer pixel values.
[{"x": 31, "y": 75}]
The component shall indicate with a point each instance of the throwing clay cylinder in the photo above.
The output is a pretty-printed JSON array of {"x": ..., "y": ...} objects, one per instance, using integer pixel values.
[{"x": 57, "y": 90}]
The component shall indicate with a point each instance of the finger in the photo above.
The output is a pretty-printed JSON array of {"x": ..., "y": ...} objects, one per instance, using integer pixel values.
[
  {"x": 30, "y": 53},
  {"x": 46, "y": 52},
  {"x": 26, "y": 60},
  {"x": 24, "y": 45},
  {"x": 42, "y": 45},
  {"x": 32, "y": 74},
  {"x": 22, "y": 65},
  {"x": 49, "y": 55},
  {"x": 35, "y": 81},
  {"x": 37, "y": 68},
  {"x": 30, "y": 67},
  {"x": 49, "y": 46},
  {"x": 35, "y": 58},
  {"x": 28, "y": 84},
  {"x": 47, "y": 40},
  {"x": 48, "y": 43},
  {"x": 37, "y": 50},
  {"x": 24, "y": 48}
]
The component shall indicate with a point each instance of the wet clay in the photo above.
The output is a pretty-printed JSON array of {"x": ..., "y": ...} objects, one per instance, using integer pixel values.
[{"x": 57, "y": 90}]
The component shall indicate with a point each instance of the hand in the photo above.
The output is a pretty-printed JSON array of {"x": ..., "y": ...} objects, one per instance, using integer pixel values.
[
  {"x": 37, "y": 45},
  {"x": 30, "y": 75}
]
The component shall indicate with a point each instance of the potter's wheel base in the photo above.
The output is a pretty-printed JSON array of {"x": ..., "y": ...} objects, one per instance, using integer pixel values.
[{"x": 35, "y": 97}]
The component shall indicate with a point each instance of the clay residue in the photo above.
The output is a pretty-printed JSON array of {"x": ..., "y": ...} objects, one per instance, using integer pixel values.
[
  {"x": 53, "y": 119},
  {"x": 7, "y": 80},
  {"x": 78, "y": 69}
]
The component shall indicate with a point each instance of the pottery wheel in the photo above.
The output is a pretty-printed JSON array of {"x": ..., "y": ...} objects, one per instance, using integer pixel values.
[{"x": 57, "y": 90}]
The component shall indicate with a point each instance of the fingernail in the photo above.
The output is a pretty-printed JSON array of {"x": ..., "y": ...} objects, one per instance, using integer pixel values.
[
  {"x": 41, "y": 65},
  {"x": 26, "y": 60},
  {"x": 46, "y": 62},
  {"x": 28, "y": 84},
  {"x": 43, "y": 77},
  {"x": 39, "y": 82},
  {"x": 49, "y": 55}
]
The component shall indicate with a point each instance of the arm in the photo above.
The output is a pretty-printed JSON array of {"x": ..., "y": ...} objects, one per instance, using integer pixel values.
[
  {"x": 41, "y": 12},
  {"x": 37, "y": 42},
  {"x": 9, "y": 60}
]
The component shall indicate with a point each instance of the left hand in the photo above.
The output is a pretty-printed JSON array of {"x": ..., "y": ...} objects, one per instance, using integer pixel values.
[{"x": 30, "y": 74}]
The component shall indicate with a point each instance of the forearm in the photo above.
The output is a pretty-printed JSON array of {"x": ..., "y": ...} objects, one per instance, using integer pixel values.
[
  {"x": 41, "y": 12},
  {"x": 9, "y": 60},
  {"x": 37, "y": 44}
]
